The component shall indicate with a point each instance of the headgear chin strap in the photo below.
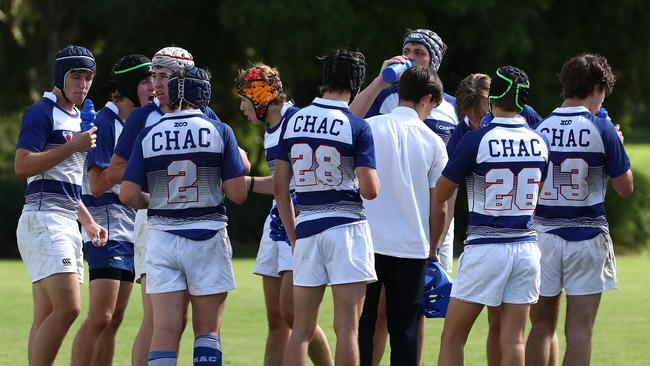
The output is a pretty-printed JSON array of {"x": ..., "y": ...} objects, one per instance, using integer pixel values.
[
  {"x": 190, "y": 86},
  {"x": 262, "y": 86},
  {"x": 432, "y": 42},
  {"x": 507, "y": 76}
]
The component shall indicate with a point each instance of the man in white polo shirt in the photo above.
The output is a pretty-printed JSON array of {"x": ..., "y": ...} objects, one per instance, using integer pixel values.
[{"x": 406, "y": 223}]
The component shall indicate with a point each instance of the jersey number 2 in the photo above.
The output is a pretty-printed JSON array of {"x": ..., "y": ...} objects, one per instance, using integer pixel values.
[{"x": 181, "y": 188}]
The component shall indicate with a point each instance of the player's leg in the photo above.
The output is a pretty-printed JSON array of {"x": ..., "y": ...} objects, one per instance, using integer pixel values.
[
  {"x": 278, "y": 330},
  {"x": 513, "y": 328},
  {"x": 580, "y": 317},
  {"x": 142, "y": 342},
  {"x": 103, "y": 294},
  {"x": 106, "y": 343},
  {"x": 381, "y": 330},
  {"x": 348, "y": 304},
  {"x": 306, "y": 302},
  {"x": 368, "y": 323},
  {"x": 493, "y": 339},
  {"x": 458, "y": 323},
  {"x": 42, "y": 309},
  {"x": 167, "y": 321},
  {"x": 62, "y": 290},
  {"x": 318, "y": 349},
  {"x": 421, "y": 336},
  {"x": 208, "y": 311},
  {"x": 542, "y": 344}
]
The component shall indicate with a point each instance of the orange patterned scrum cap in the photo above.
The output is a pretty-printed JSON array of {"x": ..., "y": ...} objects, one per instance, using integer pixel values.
[{"x": 262, "y": 86}]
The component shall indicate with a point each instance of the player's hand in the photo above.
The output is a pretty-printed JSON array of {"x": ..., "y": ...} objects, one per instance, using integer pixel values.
[
  {"x": 617, "y": 127},
  {"x": 98, "y": 234},
  {"x": 394, "y": 60},
  {"x": 84, "y": 141},
  {"x": 433, "y": 254}
]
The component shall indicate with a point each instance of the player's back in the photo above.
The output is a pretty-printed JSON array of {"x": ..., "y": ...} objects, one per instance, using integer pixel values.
[
  {"x": 504, "y": 164},
  {"x": 584, "y": 151},
  {"x": 184, "y": 158},
  {"x": 325, "y": 142}
]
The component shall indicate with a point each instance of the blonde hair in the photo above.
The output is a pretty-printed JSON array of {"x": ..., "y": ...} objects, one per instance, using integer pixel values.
[{"x": 472, "y": 95}]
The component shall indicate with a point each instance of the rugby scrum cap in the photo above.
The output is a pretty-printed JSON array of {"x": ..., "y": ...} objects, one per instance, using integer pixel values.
[
  {"x": 437, "y": 290},
  {"x": 190, "y": 86},
  {"x": 127, "y": 74},
  {"x": 432, "y": 42},
  {"x": 262, "y": 86},
  {"x": 509, "y": 80},
  {"x": 344, "y": 70},
  {"x": 72, "y": 58},
  {"x": 173, "y": 58}
]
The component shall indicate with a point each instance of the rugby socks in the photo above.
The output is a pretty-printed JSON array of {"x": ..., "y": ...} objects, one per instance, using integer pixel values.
[
  {"x": 207, "y": 350},
  {"x": 162, "y": 358}
]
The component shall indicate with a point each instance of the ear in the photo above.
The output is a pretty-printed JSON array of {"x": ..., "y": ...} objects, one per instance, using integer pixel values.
[{"x": 428, "y": 98}]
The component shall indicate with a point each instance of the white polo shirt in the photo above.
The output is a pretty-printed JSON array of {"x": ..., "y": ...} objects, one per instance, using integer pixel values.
[{"x": 410, "y": 158}]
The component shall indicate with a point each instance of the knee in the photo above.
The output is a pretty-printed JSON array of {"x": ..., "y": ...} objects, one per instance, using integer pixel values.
[
  {"x": 494, "y": 327},
  {"x": 100, "y": 321},
  {"x": 117, "y": 318},
  {"x": 277, "y": 324},
  {"x": 578, "y": 335},
  {"x": 346, "y": 330},
  {"x": 69, "y": 313},
  {"x": 452, "y": 336},
  {"x": 544, "y": 325},
  {"x": 287, "y": 316}
]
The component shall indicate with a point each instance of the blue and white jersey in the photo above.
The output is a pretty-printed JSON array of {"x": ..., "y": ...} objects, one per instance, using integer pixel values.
[
  {"x": 139, "y": 119},
  {"x": 325, "y": 142},
  {"x": 272, "y": 136},
  {"x": 529, "y": 113},
  {"x": 584, "y": 151},
  {"x": 503, "y": 165},
  {"x": 183, "y": 160},
  {"x": 107, "y": 210},
  {"x": 46, "y": 126},
  {"x": 442, "y": 120}
]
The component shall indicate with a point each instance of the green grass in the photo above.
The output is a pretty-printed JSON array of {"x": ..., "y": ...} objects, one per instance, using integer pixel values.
[
  {"x": 620, "y": 336},
  {"x": 639, "y": 156}
]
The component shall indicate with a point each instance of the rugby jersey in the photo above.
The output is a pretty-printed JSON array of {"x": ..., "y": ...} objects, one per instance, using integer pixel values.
[
  {"x": 325, "y": 142},
  {"x": 584, "y": 151}
]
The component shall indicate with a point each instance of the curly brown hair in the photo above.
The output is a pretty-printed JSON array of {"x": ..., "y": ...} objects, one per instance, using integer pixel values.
[{"x": 581, "y": 73}]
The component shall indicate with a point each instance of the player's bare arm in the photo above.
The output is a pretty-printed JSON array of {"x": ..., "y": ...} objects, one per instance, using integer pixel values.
[
  {"x": 98, "y": 233},
  {"x": 244, "y": 158},
  {"x": 437, "y": 223},
  {"x": 624, "y": 184},
  {"x": 263, "y": 185},
  {"x": 283, "y": 174},
  {"x": 361, "y": 104},
  {"x": 115, "y": 170},
  {"x": 235, "y": 189},
  {"x": 98, "y": 181},
  {"x": 131, "y": 195},
  {"x": 29, "y": 163},
  {"x": 368, "y": 182},
  {"x": 445, "y": 188}
]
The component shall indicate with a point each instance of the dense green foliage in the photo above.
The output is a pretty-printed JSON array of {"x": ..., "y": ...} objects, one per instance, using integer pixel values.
[{"x": 229, "y": 34}]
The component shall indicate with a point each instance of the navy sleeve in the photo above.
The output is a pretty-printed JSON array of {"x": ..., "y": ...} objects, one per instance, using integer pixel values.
[
  {"x": 134, "y": 171},
  {"x": 132, "y": 127},
  {"x": 282, "y": 148},
  {"x": 616, "y": 160},
  {"x": 463, "y": 160},
  {"x": 375, "y": 107},
  {"x": 210, "y": 114},
  {"x": 530, "y": 114},
  {"x": 101, "y": 155},
  {"x": 233, "y": 166},
  {"x": 364, "y": 147},
  {"x": 34, "y": 129}
]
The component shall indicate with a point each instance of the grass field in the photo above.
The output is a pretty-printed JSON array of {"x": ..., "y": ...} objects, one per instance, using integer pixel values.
[{"x": 620, "y": 338}]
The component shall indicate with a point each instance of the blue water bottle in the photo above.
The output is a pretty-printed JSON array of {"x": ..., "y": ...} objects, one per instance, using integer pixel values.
[
  {"x": 87, "y": 115},
  {"x": 602, "y": 113},
  {"x": 392, "y": 72}
]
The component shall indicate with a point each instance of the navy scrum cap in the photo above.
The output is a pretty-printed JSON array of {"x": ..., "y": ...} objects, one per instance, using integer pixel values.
[
  {"x": 432, "y": 42},
  {"x": 72, "y": 58},
  {"x": 190, "y": 86},
  {"x": 127, "y": 74}
]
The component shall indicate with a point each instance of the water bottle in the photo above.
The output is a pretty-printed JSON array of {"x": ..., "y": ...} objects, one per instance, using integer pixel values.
[
  {"x": 392, "y": 72},
  {"x": 87, "y": 115},
  {"x": 602, "y": 113}
]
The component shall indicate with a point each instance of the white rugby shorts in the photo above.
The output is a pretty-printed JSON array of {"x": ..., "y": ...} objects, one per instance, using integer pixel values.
[
  {"x": 339, "y": 255},
  {"x": 175, "y": 263},
  {"x": 273, "y": 257},
  {"x": 49, "y": 243},
  {"x": 584, "y": 267},
  {"x": 141, "y": 229},
  {"x": 492, "y": 274},
  {"x": 446, "y": 254}
]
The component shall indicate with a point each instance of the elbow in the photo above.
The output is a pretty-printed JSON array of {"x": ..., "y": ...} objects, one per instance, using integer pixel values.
[
  {"x": 126, "y": 198},
  {"x": 370, "y": 193},
  {"x": 239, "y": 198},
  {"x": 95, "y": 191},
  {"x": 625, "y": 192},
  {"x": 21, "y": 173}
]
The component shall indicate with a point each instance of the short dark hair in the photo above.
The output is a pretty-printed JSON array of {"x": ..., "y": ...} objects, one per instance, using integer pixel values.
[
  {"x": 343, "y": 70},
  {"x": 417, "y": 82},
  {"x": 509, "y": 88},
  {"x": 581, "y": 73}
]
